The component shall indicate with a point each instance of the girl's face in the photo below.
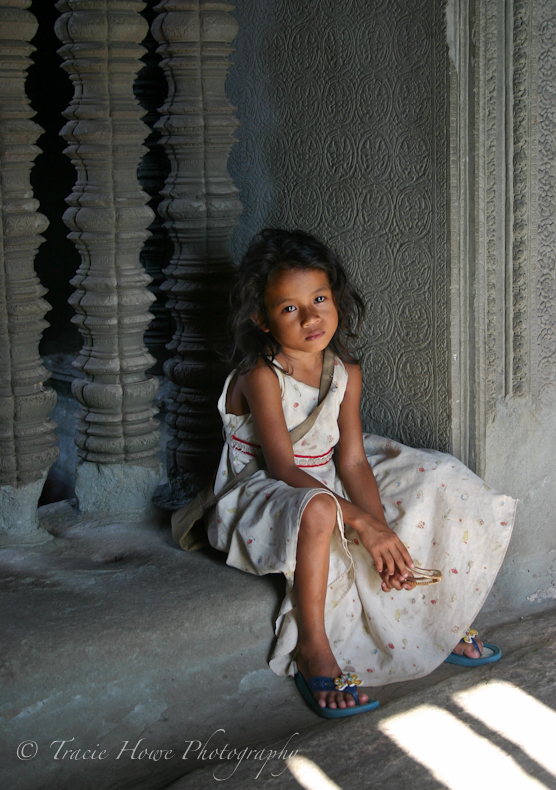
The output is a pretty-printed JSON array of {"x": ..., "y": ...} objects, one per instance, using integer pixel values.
[{"x": 302, "y": 314}]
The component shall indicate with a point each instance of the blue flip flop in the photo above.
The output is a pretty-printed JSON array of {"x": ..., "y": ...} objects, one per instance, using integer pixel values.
[
  {"x": 320, "y": 683},
  {"x": 490, "y": 654}
]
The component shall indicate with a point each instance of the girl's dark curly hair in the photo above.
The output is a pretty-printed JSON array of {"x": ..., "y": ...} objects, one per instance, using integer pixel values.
[{"x": 272, "y": 251}]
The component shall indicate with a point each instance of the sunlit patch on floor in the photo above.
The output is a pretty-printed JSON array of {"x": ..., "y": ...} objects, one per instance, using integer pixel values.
[
  {"x": 309, "y": 775},
  {"x": 517, "y": 716},
  {"x": 453, "y": 753}
]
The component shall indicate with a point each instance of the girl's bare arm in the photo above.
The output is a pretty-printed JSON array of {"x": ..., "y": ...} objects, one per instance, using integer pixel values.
[
  {"x": 359, "y": 480},
  {"x": 355, "y": 471},
  {"x": 262, "y": 392}
]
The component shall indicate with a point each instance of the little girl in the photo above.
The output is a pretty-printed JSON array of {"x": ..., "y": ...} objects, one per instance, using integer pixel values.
[{"x": 347, "y": 518}]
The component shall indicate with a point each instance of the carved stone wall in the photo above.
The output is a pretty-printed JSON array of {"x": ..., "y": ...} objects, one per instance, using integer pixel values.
[
  {"x": 343, "y": 109},
  {"x": 200, "y": 209},
  {"x": 108, "y": 220},
  {"x": 27, "y": 438}
]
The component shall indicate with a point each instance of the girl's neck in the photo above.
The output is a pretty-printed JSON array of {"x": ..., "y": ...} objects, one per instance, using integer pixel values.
[{"x": 306, "y": 368}]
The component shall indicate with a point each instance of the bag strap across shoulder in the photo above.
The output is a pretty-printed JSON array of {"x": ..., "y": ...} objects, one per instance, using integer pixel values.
[
  {"x": 325, "y": 381},
  {"x": 327, "y": 373}
]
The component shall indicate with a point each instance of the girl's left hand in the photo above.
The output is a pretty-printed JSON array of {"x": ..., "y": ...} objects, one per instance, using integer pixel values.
[{"x": 394, "y": 581}]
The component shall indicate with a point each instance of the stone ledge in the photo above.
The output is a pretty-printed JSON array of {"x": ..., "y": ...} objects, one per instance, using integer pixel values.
[{"x": 115, "y": 633}]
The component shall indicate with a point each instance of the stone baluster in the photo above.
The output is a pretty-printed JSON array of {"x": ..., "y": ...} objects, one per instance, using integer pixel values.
[
  {"x": 27, "y": 438},
  {"x": 117, "y": 436},
  {"x": 200, "y": 208},
  {"x": 150, "y": 89}
]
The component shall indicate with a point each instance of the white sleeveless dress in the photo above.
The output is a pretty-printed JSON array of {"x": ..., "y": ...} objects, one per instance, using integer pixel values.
[{"x": 446, "y": 516}]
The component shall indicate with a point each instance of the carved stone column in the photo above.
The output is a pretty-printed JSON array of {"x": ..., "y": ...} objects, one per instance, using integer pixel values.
[
  {"x": 27, "y": 438},
  {"x": 200, "y": 208},
  {"x": 504, "y": 272},
  {"x": 150, "y": 89},
  {"x": 495, "y": 265},
  {"x": 117, "y": 436}
]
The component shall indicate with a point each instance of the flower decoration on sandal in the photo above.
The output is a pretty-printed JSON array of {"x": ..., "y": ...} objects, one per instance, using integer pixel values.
[
  {"x": 469, "y": 637},
  {"x": 346, "y": 679}
]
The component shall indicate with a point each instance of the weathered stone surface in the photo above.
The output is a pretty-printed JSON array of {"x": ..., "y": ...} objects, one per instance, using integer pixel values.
[
  {"x": 521, "y": 456},
  {"x": 19, "y": 521},
  {"x": 115, "y": 488},
  {"x": 27, "y": 438},
  {"x": 108, "y": 219},
  {"x": 199, "y": 208}
]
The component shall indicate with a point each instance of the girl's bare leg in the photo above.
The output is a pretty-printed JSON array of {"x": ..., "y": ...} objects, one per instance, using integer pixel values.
[{"x": 314, "y": 656}]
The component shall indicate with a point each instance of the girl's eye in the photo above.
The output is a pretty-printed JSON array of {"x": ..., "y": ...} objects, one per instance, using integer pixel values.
[
  {"x": 320, "y": 299},
  {"x": 289, "y": 309}
]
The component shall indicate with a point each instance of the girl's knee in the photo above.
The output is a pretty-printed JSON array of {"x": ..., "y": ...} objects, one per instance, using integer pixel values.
[{"x": 320, "y": 515}]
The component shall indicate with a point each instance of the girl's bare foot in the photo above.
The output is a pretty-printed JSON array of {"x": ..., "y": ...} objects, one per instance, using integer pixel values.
[
  {"x": 468, "y": 649},
  {"x": 318, "y": 660}
]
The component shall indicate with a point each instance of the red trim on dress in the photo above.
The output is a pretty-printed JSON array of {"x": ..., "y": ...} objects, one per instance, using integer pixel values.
[
  {"x": 251, "y": 444},
  {"x": 295, "y": 455},
  {"x": 314, "y": 456},
  {"x": 313, "y": 466}
]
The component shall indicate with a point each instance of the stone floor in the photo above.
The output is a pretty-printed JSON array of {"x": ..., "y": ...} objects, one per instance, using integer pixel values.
[
  {"x": 153, "y": 660},
  {"x": 482, "y": 727}
]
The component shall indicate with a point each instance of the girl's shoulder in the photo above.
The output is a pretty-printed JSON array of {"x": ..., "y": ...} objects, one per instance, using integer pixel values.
[
  {"x": 263, "y": 372},
  {"x": 345, "y": 370},
  {"x": 347, "y": 374},
  {"x": 352, "y": 369},
  {"x": 259, "y": 382},
  {"x": 264, "y": 378}
]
